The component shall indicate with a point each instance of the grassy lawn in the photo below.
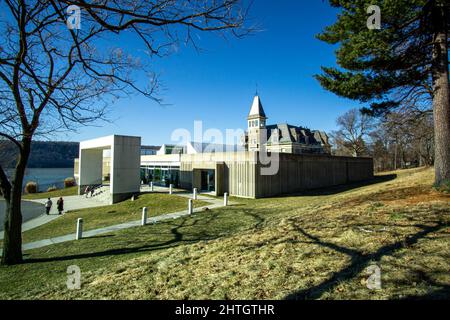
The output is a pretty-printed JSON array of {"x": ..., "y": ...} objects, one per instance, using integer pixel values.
[
  {"x": 72, "y": 191},
  {"x": 95, "y": 218},
  {"x": 311, "y": 246}
]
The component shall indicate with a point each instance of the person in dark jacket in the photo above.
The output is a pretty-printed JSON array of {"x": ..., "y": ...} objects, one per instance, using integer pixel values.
[
  {"x": 60, "y": 205},
  {"x": 48, "y": 206}
]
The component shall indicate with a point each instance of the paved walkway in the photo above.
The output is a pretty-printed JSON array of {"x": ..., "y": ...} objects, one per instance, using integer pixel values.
[
  {"x": 214, "y": 203},
  {"x": 30, "y": 211},
  {"x": 71, "y": 203}
]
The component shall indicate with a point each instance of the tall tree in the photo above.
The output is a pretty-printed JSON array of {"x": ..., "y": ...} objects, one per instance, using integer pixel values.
[
  {"x": 411, "y": 134},
  {"x": 354, "y": 129},
  {"x": 61, "y": 65},
  {"x": 405, "y": 60}
]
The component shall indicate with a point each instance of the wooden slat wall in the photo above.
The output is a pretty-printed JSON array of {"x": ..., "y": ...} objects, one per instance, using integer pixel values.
[
  {"x": 296, "y": 173},
  {"x": 302, "y": 172}
]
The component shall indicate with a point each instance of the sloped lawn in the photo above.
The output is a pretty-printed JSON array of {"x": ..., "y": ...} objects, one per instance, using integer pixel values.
[{"x": 311, "y": 246}]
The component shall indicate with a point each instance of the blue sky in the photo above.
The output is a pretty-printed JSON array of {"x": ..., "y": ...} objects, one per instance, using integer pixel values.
[{"x": 217, "y": 85}]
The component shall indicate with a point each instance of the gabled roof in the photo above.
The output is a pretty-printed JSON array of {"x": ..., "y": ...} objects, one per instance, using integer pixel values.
[
  {"x": 291, "y": 134},
  {"x": 257, "y": 109},
  {"x": 284, "y": 133},
  {"x": 321, "y": 136}
]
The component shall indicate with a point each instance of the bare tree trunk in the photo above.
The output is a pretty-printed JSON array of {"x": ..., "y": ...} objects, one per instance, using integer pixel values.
[
  {"x": 441, "y": 101},
  {"x": 395, "y": 156},
  {"x": 12, "y": 242}
]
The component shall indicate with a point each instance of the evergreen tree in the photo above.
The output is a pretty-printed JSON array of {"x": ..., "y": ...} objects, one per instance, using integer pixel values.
[{"x": 404, "y": 62}]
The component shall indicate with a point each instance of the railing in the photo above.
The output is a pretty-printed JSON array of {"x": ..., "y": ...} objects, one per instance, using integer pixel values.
[{"x": 95, "y": 190}]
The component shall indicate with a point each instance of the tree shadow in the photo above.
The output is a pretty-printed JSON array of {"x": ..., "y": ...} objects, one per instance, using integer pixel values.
[
  {"x": 359, "y": 261},
  {"x": 101, "y": 236},
  {"x": 177, "y": 238},
  {"x": 440, "y": 294},
  {"x": 327, "y": 191}
]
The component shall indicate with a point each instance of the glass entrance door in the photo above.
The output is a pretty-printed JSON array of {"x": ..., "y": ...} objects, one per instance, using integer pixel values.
[{"x": 208, "y": 180}]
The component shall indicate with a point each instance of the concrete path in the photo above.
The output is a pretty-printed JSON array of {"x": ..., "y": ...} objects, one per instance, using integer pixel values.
[
  {"x": 214, "y": 203},
  {"x": 71, "y": 203},
  {"x": 30, "y": 210}
]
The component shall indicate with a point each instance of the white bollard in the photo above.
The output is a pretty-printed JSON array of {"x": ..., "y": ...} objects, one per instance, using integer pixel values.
[
  {"x": 144, "y": 216},
  {"x": 79, "y": 234},
  {"x": 225, "y": 199},
  {"x": 190, "y": 206},
  {"x": 151, "y": 186},
  {"x": 194, "y": 196},
  {"x": 171, "y": 189}
]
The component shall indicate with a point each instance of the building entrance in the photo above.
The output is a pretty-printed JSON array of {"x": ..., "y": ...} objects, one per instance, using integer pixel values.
[{"x": 208, "y": 181}]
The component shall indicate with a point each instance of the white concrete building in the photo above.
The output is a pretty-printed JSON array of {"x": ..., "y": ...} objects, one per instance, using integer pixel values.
[
  {"x": 304, "y": 163},
  {"x": 125, "y": 155}
]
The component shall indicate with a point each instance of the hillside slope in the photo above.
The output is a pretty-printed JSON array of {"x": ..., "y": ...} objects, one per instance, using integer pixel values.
[
  {"x": 312, "y": 246},
  {"x": 44, "y": 154}
]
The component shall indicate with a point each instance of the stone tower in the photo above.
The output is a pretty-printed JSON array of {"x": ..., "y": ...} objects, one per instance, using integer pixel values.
[{"x": 256, "y": 125}]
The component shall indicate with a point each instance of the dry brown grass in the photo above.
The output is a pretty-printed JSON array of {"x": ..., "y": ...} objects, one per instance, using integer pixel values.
[{"x": 315, "y": 246}]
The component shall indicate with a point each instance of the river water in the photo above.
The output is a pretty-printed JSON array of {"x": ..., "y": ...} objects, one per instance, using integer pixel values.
[{"x": 45, "y": 177}]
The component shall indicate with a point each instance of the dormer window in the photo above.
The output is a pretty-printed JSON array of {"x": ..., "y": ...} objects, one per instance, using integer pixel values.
[{"x": 276, "y": 135}]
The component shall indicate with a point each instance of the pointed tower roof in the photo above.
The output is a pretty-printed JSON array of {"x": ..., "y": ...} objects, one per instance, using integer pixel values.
[{"x": 257, "y": 110}]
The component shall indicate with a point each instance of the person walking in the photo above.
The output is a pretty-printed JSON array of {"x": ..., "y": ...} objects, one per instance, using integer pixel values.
[
  {"x": 87, "y": 190},
  {"x": 48, "y": 206},
  {"x": 60, "y": 205}
]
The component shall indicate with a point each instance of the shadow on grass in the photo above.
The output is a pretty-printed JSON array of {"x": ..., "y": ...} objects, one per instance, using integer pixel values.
[
  {"x": 101, "y": 236},
  {"x": 327, "y": 191},
  {"x": 177, "y": 240},
  {"x": 442, "y": 293},
  {"x": 200, "y": 228},
  {"x": 359, "y": 261}
]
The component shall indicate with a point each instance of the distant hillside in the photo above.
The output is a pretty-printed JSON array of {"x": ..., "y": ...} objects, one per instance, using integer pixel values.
[{"x": 44, "y": 154}]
